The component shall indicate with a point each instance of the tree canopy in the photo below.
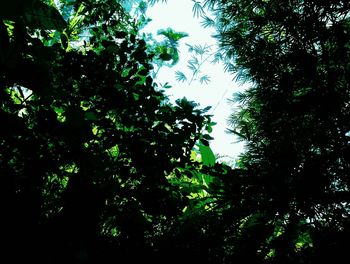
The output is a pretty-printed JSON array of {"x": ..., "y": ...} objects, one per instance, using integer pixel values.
[
  {"x": 97, "y": 166},
  {"x": 294, "y": 120}
]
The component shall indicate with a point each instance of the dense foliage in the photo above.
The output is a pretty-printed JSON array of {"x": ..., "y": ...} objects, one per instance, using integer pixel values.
[
  {"x": 88, "y": 143},
  {"x": 295, "y": 122},
  {"x": 97, "y": 166}
]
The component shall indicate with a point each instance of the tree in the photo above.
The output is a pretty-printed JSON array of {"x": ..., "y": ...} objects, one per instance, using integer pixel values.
[
  {"x": 96, "y": 165},
  {"x": 88, "y": 142},
  {"x": 293, "y": 182}
]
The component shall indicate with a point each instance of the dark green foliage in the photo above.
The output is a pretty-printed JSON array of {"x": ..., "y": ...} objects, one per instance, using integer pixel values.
[
  {"x": 97, "y": 167},
  {"x": 294, "y": 119},
  {"x": 87, "y": 143}
]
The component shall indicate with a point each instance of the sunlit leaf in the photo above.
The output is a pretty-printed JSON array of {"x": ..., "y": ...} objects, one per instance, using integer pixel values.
[{"x": 208, "y": 157}]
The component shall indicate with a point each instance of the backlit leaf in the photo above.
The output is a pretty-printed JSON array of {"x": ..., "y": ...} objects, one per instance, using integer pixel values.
[{"x": 208, "y": 157}]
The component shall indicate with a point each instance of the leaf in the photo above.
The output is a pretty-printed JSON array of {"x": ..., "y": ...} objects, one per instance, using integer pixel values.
[
  {"x": 207, "y": 179},
  {"x": 197, "y": 9},
  {"x": 200, "y": 50},
  {"x": 165, "y": 57},
  {"x": 36, "y": 14},
  {"x": 175, "y": 57},
  {"x": 204, "y": 142},
  {"x": 194, "y": 60},
  {"x": 153, "y": 2},
  {"x": 43, "y": 16},
  {"x": 77, "y": 18},
  {"x": 64, "y": 41},
  {"x": 192, "y": 67},
  {"x": 114, "y": 152},
  {"x": 190, "y": 47},
  {"x": 172, "y": 35},
  {"x": 143, "y": 71},
  {"x": 90, "y": 116},
  {"x": 206, "y": 109},
  {"x": 207, "y": 22},
  {"x": 208, "y": 137},
  {"x": 217, "y": 57},
  {"x": 204, "y": 79},
  {"x": 208, "y": 157},
  {"x": 237, "y": 133},
  {"x": 193, "y": 156},
  {"x": 180, "y": 76},
  {"x": 166, "y": 85}
]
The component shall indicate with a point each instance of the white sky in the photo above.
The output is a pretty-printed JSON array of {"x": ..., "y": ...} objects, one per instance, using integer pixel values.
[{"x": 177, "y": 14}]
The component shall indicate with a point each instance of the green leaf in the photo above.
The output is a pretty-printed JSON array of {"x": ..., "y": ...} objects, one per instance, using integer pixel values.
[
  {"x": 237, "y": 133},
  {"x": 91, "y": 116},
  {"x": 44, "y": 16},
  {"x": 143, "y": 71},
  {"x": 64, "y": 40},
  {"x": 165, "y": 56},
  {"x": 172, "y": 35},
  {"x": 208, "y": 137},
  {"x": 208, "y": 157},
  {"x": 114, "y": 151},
  {"x": 207, "y": 108}
]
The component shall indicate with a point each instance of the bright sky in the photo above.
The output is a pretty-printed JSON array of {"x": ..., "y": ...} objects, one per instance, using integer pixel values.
[{"x": 177, "y": 14}]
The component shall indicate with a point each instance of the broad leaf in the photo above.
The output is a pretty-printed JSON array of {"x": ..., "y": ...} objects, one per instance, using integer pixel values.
[
  {"x": 208, "y": 157},
  {"x": 35, "y": 14}
]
